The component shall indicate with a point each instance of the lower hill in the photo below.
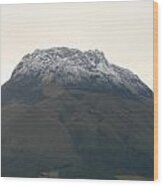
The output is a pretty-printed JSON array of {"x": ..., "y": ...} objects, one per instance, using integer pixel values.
[{"x": 78, "y": 134}]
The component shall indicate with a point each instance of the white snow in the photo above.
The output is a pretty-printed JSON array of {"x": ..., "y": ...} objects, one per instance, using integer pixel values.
[{"x": 65, "y": 65}]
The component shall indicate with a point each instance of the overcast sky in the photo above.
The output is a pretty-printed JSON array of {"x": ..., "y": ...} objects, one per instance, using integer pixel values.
[{"x": 122, "y": 30}]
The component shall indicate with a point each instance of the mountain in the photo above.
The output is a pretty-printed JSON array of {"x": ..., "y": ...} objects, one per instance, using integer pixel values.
[{"x": 72, "y": 114}]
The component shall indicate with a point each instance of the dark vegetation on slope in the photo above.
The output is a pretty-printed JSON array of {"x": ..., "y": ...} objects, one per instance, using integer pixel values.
[{"x": 78, "y": 135}]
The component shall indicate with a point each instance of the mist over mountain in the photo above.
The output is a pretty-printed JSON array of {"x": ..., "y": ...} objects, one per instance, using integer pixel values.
[{"x": 73, "y": 114}]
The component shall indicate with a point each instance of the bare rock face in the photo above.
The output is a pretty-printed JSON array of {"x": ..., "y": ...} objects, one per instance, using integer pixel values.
[{"x": 73, "y": 114}]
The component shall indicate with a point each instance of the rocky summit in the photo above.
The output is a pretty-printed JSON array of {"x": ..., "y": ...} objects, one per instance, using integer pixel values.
[{"x": 73, "y": 69}]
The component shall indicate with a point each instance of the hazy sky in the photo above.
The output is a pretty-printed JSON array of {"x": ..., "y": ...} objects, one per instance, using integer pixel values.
[{"x": 122, "y": 30}]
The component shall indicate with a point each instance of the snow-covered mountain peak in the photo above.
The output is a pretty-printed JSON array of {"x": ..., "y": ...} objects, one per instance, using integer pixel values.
[
  {"x": 57, "y": 57},
  {"x": 72, "y": 68}
]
